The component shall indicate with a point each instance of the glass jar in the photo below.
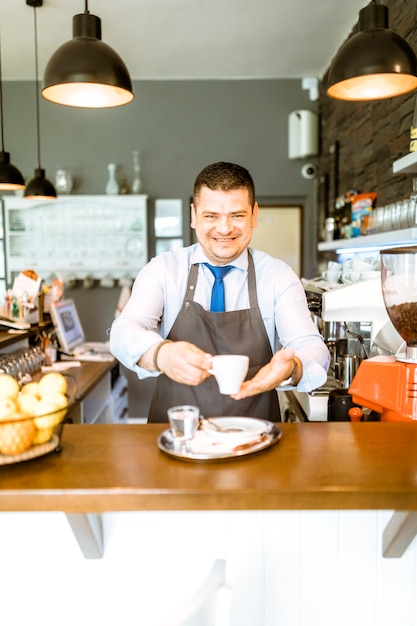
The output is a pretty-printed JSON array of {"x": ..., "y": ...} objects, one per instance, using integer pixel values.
[{"x": 412, "y": 206}]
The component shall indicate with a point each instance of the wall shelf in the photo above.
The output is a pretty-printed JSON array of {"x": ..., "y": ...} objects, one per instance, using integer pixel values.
[
  {"x": 406, "y": 165},
  {"x": 405, "y": 237}
]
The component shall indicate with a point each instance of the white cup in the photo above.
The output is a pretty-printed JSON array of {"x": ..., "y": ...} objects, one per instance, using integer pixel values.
[
  {"x": 230, "y": 371},
  {"x": 369, "y": 275},
  {"x": 350, "y": 277},
  {"x": 51, "y": 354},
  {"x": 331, "y": 277},
  {"x": 361, "y": 265},
  {"x": 333, "y": 266},
  {"x": 333, "y": 272},
  {"x": 183, "y": 420}
]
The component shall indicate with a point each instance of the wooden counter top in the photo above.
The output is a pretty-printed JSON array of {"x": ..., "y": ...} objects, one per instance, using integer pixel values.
[
  {"x": 315, "y": 466},
  {"x": 88, "y": 374}
]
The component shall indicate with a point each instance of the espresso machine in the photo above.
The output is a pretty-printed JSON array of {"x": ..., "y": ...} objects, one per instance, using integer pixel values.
[
  {"x": 388, "y": 384},
  {"x": 356, "y": 328}
]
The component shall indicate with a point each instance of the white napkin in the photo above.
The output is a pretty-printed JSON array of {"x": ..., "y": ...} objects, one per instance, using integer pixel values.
[
  {"x": 210, "y": 444},
  {"x": 60, "y": 366}
]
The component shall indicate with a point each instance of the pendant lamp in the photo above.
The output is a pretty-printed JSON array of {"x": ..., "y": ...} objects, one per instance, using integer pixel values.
[
  {"x": 39, "y": 188},
  {"x": 10, "y": 177},
  {"x": 373, "y": 64},
  {"x": 85, "y": 71}
]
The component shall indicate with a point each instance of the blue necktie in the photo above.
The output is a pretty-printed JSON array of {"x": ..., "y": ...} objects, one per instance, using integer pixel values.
[{"x": 217, "y": 293}]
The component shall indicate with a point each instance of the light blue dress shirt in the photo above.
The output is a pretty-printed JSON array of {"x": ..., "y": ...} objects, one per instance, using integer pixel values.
[{"x": 158, "y": 294}]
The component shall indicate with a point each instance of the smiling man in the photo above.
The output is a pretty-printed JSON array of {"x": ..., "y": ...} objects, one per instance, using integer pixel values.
[{"x": 219, "y": 297}]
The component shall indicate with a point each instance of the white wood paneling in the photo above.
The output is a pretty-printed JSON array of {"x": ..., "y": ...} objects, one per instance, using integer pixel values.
[{"x": 315, "y": 568}]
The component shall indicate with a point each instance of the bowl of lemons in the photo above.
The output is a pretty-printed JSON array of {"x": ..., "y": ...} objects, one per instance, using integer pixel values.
[{"x": 29, "y": 415}]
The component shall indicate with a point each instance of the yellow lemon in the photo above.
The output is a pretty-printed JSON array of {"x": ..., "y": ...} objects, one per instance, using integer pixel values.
[
  {"x": 48, "y": 412},
  {"x": 27, "y": 403},
  {"x": 60, "y": 402},
  {"x": 16, "y": 437},
  {"x": 52, "y": 382},
  {"x": 42, "y": 435},
  {"x": 8, "y": 408},
  {"x": 58, "y": 399},
  {"x": 9, "y": 387},
  {"x": 31, "y": 388}
]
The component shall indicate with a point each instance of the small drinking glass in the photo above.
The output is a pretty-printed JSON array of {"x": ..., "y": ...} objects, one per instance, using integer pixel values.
[{"x": 184, "y": 420}]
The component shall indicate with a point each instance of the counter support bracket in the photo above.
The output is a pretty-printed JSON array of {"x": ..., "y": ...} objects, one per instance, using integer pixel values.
[
  {"x": 399, "y": 533},
  {"x": 88, "y": 531}
]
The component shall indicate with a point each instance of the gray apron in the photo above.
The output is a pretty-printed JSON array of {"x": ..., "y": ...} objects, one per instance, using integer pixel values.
[{"x": 231, "y": 332}]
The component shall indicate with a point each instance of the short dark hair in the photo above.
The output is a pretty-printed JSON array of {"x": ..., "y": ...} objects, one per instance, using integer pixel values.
[{"x": 224, "y": 177}]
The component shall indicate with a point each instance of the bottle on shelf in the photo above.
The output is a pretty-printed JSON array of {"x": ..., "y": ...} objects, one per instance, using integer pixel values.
[
  {"x": 112, "y": 187},
  {"x": 136, "y": 182},
  {"x": 123, "y": 186},
  {"x": 329, "y": 228},
  {"x": 413, "y": 129}
]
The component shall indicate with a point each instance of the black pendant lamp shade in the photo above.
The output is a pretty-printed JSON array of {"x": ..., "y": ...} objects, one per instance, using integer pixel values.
[
  {"x": 38, "y": 188},
  {"x": 85, "y": 71},
  {"x": 373, "y": 64},
  {"x": 10, "y": 177}
]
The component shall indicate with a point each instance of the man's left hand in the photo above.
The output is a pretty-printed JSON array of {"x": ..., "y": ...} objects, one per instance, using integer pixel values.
[{"x": 279, "y": 368}]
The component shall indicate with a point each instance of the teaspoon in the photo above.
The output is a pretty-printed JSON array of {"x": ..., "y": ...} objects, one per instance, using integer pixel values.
[{"x": 205, "y": 420}]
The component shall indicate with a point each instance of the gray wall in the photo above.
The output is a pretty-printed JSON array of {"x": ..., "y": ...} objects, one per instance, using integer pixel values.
[{"x": 178, "y": 127}]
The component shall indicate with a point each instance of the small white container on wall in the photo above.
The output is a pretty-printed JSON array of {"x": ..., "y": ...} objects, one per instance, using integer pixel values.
[{"x": 303, "y": 134}]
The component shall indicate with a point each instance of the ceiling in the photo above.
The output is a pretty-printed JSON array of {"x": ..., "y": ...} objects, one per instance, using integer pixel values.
[{"x": 188, "y": 39}]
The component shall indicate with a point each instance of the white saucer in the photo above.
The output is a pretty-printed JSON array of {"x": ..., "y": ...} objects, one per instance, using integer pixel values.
[{"x": 244, "y": 428}]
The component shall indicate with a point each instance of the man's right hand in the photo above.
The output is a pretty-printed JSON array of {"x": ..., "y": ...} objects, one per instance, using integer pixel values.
[{"x": 182, "y": 361}]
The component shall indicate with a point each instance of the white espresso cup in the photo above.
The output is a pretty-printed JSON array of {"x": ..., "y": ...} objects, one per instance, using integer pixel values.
[
  {"x": 333, "y": 272},
  {"x": 331, "y": 277},
  {"x": 230, "y": 371}
]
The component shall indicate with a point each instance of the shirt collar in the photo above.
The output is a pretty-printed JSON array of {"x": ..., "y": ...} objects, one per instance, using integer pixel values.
[{"x": 198, "y": 256}]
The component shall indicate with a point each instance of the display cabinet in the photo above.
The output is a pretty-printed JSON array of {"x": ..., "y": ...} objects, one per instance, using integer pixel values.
[
  {"x": 76, "y": 236},
  {"x": 3, "y": 278}
]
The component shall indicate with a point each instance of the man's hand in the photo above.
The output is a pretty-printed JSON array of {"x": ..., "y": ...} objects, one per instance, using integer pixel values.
[
  {"x": 279, "y": 368},
  {"x": 182, "y": 361}
]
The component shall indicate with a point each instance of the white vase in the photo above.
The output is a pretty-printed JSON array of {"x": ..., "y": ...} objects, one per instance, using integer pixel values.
[
  {"x": 136, "y": 182},
  {"x": 63, "y": 181},
  {"x": 112, "y": 187}
]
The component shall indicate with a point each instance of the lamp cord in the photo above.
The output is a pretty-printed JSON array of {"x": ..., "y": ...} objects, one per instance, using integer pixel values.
[
  {"x": 37, "y": 88},
  {"x": 1, "y": 104}
]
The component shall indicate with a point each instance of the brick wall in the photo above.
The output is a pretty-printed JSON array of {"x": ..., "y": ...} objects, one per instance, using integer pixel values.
[{"x": 370, "y": 136}]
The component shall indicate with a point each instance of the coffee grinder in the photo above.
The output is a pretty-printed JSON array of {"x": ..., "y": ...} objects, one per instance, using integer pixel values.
[{"x": 388, "y": 384}]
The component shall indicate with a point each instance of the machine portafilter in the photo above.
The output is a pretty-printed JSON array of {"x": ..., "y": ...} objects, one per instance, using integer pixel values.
[{"x": 388, "y": 384}]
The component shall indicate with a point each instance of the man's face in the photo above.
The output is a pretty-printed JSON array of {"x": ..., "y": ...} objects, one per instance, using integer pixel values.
[{"x": 223, "y": 222}]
